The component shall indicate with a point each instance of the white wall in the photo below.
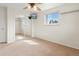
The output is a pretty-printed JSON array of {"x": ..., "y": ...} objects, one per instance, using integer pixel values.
[
  {"x": 18, "y": 26},
  {"x": 3, "y": 24},
  {"x": 66, "y": 33},
  {"x": 26, "y": 26}
]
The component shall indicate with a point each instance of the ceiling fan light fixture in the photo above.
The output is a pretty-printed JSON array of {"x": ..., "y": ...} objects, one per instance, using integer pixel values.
[
  {"x": 29, "y": 7},
  {"x": 34, "y": 8}
]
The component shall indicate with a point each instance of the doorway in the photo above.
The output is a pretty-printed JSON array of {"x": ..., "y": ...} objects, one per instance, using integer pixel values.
[{"x": 23, "y": 28}]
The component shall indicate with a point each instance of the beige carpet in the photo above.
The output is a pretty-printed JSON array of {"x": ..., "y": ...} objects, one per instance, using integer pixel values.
[{"x": 35, "y": 47}]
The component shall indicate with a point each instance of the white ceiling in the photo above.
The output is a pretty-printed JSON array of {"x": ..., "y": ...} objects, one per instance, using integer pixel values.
[
  {"x": 46, "y": 6},
  {"x": 43, "y": 6}
]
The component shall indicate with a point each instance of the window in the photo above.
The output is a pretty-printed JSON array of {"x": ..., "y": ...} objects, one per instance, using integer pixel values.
[{"x": 52, "y": 18}]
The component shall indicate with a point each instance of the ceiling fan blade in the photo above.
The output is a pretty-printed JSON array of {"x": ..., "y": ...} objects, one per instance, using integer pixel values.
[
  {"x": 25, "y": 7},
  {"x": 38, "y": 9}
]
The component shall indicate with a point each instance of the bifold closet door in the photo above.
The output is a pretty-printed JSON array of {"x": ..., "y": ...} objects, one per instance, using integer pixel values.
[{"x": 3, "y": 24}]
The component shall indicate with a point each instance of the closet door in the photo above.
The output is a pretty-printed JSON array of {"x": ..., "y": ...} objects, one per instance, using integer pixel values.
[{"x": 3, "y": 24}]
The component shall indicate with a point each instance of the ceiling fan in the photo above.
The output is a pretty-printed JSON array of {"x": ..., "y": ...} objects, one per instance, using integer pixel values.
[{"x": 33, "y": 6}]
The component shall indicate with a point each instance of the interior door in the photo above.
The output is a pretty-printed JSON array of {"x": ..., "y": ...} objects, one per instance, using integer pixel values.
[{"x": 3, "y": 25}]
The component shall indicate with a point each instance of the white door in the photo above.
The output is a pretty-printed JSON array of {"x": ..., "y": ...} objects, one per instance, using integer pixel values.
[{"x": 3, "y": 25}]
